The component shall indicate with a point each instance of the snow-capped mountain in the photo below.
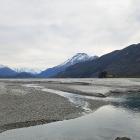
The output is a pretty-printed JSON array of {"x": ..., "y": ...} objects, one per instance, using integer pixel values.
[
  {"x": 79, "y": 57},
  {"x": 27, "y": 70},
  {"x": 119, "y": 63}
]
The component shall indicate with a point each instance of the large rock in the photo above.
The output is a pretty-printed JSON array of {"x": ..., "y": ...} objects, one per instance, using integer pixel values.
[{"x": 123, "y": 138}]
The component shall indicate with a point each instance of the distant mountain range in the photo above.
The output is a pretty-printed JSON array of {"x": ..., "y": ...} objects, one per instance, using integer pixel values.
[
  {"x": 119, "y": 63},
  {"x": 6, "y": 72}
]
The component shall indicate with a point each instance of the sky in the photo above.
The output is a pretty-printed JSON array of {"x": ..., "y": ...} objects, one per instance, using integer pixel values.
[{"x": 44, "y": 33}]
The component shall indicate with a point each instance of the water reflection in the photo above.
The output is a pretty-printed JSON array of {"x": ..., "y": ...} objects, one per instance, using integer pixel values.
[
  {"x": 106, "y": 123},
  {"x": 131, "y": 102}
]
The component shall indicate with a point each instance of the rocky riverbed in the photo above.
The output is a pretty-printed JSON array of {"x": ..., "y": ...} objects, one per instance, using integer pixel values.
[{"x": 25, "y": 103}]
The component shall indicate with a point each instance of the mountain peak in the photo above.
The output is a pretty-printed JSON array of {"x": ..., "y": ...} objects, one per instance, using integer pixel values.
[
  {"x": 120, "y": 63},
  {"x": 80, "y": 54},
  {"x": 77, "y": 58}
]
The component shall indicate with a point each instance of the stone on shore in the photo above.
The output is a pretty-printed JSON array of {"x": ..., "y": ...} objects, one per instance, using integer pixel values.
[{"x": 123, "y": 138}]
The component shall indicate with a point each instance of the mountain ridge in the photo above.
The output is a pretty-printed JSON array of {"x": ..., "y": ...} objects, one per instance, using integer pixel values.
[
  {"x": 79, "y": 57},
  {"x": 119, "y": 63}
]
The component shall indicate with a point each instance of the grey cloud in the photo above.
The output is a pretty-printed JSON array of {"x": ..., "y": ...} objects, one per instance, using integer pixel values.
[{"x": 47, "y": 32}]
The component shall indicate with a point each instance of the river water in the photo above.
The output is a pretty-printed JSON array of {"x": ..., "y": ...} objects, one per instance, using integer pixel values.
[{"x": 106, "y": 123}]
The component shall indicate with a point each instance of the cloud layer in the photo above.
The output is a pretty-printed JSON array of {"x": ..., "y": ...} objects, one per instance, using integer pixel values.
[{"x": 43, "y": 33}]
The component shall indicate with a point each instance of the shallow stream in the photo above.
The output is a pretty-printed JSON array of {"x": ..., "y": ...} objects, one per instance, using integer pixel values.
[{"x": 121, "y": 118}]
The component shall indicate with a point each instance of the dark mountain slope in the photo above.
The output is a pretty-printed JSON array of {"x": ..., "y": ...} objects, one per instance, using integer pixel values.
[
  {"x": 24, "y": 75},
  {"x": 121, "y": 63},
  {"x": 6, "y": 72}
]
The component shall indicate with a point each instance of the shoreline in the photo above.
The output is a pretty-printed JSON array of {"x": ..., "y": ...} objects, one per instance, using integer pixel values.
[{"x": 22, "y": 106}]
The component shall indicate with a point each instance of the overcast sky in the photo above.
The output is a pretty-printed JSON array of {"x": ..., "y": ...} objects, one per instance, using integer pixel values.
[{"x": 44, "y": 33}]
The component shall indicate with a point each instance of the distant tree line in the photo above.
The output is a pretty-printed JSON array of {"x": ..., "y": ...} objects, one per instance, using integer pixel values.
[{"x": 105, "y": 74}]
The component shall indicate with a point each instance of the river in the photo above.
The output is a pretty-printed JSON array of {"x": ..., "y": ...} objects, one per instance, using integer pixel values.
[{"x": 106, "y": 123}]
